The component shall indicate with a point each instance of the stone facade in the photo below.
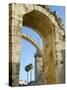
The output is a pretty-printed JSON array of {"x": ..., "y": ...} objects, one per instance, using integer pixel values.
[
  {"x": 46, "y": 24},
  {"x": 60, "y": 55}
]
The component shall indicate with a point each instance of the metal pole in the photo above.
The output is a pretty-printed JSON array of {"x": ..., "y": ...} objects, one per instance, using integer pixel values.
[
  {"x": 30, "y": 75},
  {"x": 27, "y": 77}
]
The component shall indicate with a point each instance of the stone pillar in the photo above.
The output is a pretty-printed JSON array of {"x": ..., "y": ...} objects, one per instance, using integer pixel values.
[
  {"x": 15, "y": 25},
  {"x": 38, "y": 67},
  {"x": 60, "y": 55},
  {"x": 49, "y": 61},
  {"x": 61, "y": 69}
]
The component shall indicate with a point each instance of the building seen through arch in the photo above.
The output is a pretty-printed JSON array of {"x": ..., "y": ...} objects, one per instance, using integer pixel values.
[{"x": 46, "y": 58}]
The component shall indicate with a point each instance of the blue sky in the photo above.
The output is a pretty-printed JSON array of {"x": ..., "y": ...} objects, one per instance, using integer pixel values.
[
  {"x": 28, "y": 50},
  {"x": 60, "y": 10}
]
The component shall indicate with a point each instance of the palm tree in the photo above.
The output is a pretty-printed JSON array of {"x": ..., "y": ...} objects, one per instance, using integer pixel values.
[
  {"x": 27, "y": 70},
  {"x": 30, "y": 68}
]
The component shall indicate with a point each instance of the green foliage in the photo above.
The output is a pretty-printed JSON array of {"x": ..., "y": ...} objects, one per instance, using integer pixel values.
[{"x": 28, "y": 67}]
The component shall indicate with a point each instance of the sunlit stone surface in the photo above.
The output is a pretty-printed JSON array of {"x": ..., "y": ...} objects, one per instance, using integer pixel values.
[{"x": 47, "y": 25}]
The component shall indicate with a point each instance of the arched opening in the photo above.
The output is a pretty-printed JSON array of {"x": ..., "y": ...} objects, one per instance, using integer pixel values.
[
  {"x": 41, "y": 24},
  {"x": 28, "y": 52}
]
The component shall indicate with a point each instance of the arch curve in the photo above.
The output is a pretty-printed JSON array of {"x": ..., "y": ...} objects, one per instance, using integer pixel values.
[
  {"x": 37, "y": 20},
  {"x": 31, "y": 40}
]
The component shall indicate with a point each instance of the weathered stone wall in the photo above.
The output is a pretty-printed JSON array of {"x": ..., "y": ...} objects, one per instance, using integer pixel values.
[
  {"x": 49, "y": 61},
  {"x": 44, "y": 23},
  {"x": 60, "y": 54},
  {"x": 15, "y": 24}
]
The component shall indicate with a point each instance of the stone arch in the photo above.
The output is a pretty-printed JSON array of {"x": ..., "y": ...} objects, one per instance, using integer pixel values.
[
  {"x": 31, "y": 40},
  {"x": 33, "y": 18},
  {"x": 44, "y": 23}
]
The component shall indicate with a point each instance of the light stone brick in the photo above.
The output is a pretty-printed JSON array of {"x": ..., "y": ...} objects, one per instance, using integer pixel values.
[{"x": 52, "y": 42}]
